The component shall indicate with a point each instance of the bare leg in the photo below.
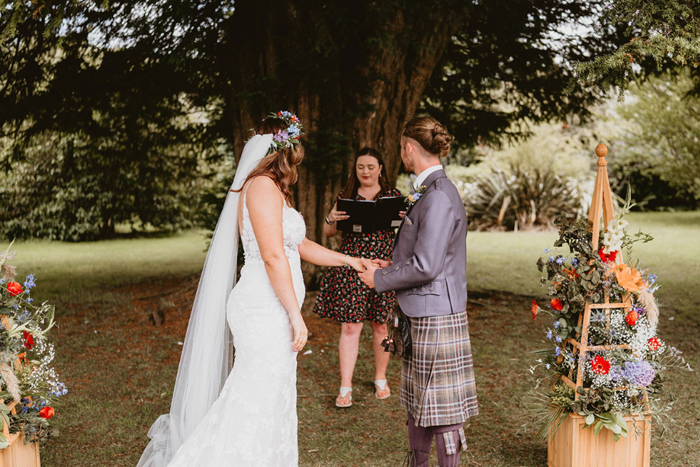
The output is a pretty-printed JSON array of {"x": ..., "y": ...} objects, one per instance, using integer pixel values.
[
  {"x": 347, "y": 351},
  {"x": 381, "y": 358}
]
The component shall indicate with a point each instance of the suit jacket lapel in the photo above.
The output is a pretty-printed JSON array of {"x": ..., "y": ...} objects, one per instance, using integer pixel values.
[{"x": 427, "y": 183}]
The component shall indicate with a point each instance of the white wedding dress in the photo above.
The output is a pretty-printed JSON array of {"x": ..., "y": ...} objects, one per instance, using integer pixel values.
[{"x": 254, "y": 420}]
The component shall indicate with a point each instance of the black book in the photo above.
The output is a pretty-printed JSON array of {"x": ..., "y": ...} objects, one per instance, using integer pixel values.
[{"x": 369, "y": 216}]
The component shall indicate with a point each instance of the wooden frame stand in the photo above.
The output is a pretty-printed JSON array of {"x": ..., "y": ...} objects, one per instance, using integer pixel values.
[{"x": 572, "y": 445}]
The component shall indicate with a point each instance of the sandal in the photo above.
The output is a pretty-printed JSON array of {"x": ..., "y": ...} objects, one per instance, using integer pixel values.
[
  {"x": 382, "y": 390},
  {"x": 344, "y": 399}
]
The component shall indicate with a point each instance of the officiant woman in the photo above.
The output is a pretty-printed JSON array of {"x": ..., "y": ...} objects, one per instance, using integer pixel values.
[{"x": 343, "y": 296}]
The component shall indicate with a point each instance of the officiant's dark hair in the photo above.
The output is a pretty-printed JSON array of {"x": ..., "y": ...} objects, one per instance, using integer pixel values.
[
  {"x": 430, "y": 134},
  {"x": 281, "y": 165},
  {"x": 350, "y": 190}
]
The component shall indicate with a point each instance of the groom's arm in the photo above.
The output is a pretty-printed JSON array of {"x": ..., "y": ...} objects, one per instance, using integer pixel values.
[{"x": 432, "y": 240}]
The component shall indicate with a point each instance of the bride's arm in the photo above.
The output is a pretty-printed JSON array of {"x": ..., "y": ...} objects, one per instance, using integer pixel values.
[
  {"x": 265, "y": 207},
  {"x": 320, "y": 256}
]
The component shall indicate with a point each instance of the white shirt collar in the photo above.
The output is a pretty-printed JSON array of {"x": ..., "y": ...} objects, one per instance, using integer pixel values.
[{"x": 420, "y": 178}]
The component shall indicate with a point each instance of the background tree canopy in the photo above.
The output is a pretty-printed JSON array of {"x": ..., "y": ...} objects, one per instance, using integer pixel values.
[{"x": 132, "y": 111}]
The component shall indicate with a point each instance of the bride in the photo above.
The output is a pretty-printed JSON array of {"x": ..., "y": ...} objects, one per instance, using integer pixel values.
[{"x": 247, "y": 417}]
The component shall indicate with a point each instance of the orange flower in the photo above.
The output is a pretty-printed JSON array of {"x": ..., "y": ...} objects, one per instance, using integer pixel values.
[
  {"x": 571, "y": 273},
  {"x": 632, "y": 317},
  {"x": 628, "y": 278},
  {"x": 556, "y": 304},
  {"x": 535, "y": 309},
  {"x": 654, "y": 343}
]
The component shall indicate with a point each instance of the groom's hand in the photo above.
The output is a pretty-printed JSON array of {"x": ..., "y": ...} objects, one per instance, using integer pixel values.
[{"x": 368, "y": 275}]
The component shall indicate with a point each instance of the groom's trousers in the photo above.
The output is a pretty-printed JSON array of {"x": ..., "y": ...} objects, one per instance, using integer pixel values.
[{"x": 449, "y": 439}]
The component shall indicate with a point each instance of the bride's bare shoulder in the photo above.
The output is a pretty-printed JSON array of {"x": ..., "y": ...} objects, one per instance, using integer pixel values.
[
  {"x": 261, "y": 185},
  {"x": 262, "y": 191}
]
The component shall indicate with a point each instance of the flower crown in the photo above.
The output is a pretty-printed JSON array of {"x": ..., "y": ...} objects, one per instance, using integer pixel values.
[{"x": 289, "y": 137}]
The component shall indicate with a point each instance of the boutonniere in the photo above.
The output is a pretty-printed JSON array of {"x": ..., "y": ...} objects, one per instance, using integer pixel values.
[{"x": 415, "y": 195}]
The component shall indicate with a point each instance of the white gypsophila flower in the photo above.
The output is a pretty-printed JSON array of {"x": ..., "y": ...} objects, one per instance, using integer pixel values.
[{"x": 619, "y": 332}]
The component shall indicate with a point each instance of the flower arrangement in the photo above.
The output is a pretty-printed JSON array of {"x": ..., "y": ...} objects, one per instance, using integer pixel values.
[
  {"x": 289, "y": 137},
  {"x": 26, "y": 375},
  {"x": 626, "y": 376}
]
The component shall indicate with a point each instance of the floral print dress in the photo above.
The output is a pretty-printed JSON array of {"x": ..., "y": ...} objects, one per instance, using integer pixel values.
[{"x": 343, "y": 296}]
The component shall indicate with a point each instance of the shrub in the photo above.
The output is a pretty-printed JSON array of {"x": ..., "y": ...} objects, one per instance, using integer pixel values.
[{"x": 524, "y": 200}]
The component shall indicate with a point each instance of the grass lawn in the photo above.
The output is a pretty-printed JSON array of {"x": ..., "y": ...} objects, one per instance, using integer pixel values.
[{"x": 120, "y": 370}]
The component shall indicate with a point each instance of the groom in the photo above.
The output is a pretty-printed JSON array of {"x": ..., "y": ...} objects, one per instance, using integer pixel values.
[{"x": 428, "y": 273}]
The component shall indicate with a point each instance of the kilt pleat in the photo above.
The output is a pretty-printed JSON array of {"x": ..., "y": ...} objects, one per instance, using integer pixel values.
[{"x": 437, "y": 379}]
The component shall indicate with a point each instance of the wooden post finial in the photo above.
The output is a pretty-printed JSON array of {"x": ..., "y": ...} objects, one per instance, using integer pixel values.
[{"x": 601, "y": 151}]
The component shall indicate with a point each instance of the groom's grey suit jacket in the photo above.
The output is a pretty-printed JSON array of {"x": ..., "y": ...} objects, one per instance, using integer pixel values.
[{"x": 430, "y": 253}]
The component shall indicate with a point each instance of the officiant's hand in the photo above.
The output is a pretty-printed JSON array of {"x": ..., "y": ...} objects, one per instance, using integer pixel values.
[
  {"x": 367, "y": 276},
  {"x": 335, "y": 215}
]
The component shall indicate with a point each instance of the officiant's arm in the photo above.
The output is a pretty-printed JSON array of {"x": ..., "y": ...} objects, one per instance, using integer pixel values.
[
  {"x": 330, "y": 226},
  {"x": 314, "y": 253},
  {"x": 437, "y": 223}
]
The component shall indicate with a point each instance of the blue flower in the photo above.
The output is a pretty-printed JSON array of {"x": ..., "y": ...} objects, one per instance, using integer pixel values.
[
  {"x": 652, "y": 278},
  {"x": 561, "y": 260},
  {"x": 286, "y": 114},
  {"x": 293, "y": 130},
  {"x": 557, "y": 351},
  {"x": 571, "y": 361},
  {"x": 29, "y": 282},
  {"x": 557, "y": 324},
  {"x": 15, "y": 307},
  {"x": 546, "y": 250},
  {"x": 558, "y": 339},
  {"x": 551, "y": 258},
  {"x": 549, "y": 334},
  {"x": 30, "y": 299},
  {"x": 574, "y": 262}
]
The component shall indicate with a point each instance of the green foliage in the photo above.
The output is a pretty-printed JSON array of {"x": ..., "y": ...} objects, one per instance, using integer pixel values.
[
  {"x": 521, "y": 200},
  {"x": 657, "y": 151},
  {"x": 508, "y": 66},
  {"x": 662, "y": 34}
]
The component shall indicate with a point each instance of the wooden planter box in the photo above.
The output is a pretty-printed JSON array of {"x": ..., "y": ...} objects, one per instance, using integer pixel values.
[
  {"x": 18, "y": 454},
  {"x": 574, "y": 446}
]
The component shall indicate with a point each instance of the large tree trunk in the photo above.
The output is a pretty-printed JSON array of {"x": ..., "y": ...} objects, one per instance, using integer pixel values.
[{"x": 356, "y": 88}]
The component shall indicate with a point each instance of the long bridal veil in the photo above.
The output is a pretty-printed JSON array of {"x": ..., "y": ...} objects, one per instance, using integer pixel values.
[{"x": 207, "y": 353}]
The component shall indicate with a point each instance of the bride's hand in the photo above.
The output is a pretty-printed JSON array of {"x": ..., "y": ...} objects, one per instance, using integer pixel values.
[
  {"x": 355, "y": 263},
  {"x": 301, "y": 334}
]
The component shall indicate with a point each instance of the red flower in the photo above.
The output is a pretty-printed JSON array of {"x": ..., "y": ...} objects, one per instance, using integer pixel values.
[
  {"x": 28, "y": 340},
  {"x": 14, "y": 289},
  {"x": 535, "y": 309},
  {"x": 46, "y": 412},
  {"x": 556, "y": 304},
  {"x": 654, "y": 344},
  {"x": 600, "y": 365},
  {"x": 632, "y": 317},
  {"x": 609, "y": 258}
]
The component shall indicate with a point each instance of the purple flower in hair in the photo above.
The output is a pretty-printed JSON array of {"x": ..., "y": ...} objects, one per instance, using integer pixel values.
[{"x": 282, "y": 136}]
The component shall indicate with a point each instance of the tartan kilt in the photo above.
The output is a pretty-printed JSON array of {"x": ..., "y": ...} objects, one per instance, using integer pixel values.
[{"x": 437, "y": 379}]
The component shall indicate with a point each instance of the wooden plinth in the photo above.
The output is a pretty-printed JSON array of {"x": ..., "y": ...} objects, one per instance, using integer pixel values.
[
  {"x": 18, "y": 454},
  {"x": 574, "y": 446}
]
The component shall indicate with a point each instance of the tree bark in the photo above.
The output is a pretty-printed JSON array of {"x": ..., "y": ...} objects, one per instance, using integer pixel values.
[{"x": 359, "y": 94}]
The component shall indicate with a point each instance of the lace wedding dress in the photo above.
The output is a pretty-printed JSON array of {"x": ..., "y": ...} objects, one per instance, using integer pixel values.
[{"x": 254, "y": 420}]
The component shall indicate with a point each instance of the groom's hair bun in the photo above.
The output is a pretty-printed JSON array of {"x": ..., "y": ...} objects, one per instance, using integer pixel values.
[{"x": 430, "y": 134}]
